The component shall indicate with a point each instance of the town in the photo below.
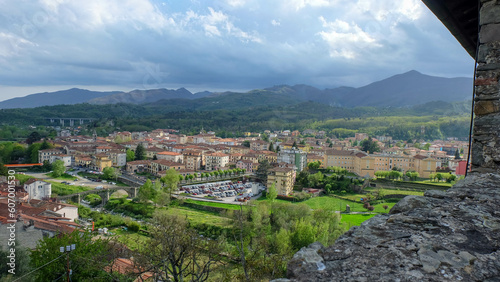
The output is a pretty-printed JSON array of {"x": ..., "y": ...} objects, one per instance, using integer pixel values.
[{"x": 207, "y": 168}]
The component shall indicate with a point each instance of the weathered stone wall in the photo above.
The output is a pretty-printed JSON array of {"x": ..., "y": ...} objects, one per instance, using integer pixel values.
[
  {"x": 442, "y": 236},
  {"x": 485, "y": 155}
]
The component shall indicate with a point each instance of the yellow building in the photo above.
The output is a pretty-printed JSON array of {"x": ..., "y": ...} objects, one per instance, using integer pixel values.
[
  {"x": 367, "y": 164},
  {"x": 340, "y": 158},
  {"x": 314, "y": 158},
  {"x": 283, "y": 179},
  {"x": 101, "y": 161}
]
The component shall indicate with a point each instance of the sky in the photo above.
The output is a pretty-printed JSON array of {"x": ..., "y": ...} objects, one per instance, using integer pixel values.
[{"x": 219, "y": 45}]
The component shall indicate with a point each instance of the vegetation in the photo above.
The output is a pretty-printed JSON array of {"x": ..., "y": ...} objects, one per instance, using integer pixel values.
[
  {"x": 87, "y": 261},
  {"x": 445, "y": 120}
]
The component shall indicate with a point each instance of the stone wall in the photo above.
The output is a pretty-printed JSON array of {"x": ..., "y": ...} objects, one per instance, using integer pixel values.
[
  {"x": 442, "y": 236},
  {"x": 485, "y": 155}
]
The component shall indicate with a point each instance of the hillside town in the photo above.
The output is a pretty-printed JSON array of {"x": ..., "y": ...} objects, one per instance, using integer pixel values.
[
  {"x": 288, "y": 152},
  {"x": 142, "y": 155}
]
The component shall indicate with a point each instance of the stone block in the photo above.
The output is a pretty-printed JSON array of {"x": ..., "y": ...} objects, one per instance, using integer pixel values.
[
  {"x": 489, "y": 33},
  {"x": 486, "y": 107},
  {"x": 490, "y": 13},
  {"x": 485, "y": 81},
  {"x": 488, "y": 91},
  {"x": 477, "y": 158}
]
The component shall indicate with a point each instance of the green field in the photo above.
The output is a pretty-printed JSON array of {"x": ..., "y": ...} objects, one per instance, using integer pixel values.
[
  {"x": 350, "y": 220},
  {"x": 64, "y": 176},
  {"x": 59, "y": 189},
  {"x": 130, "y": 239},
  {"x": 445, "y": 184},
  {"x": 213, "y": 204},
  {"x": 200, "y": 217},
  {"x": 23, "y": 177}
]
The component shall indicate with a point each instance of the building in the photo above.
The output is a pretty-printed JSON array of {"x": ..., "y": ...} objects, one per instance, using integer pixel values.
[
  {"x": 259, "y": 145},
  {"x": 37, "y": 189},
  {"x": 100, "y": 162},
  {"x": 246, "y": 165},
  {"x": 170, "y": 156},
  {"x": 66, "y": 159},
  {"x": 283, "y": 179},
  {"x": 293, "y": 156},
  {"x": 340, "y": 158},
  {"x": 192, "y": 159},
  {"x": 215, "y": 161},
  {"x": 117, "y": 157},
  {"x": 138, "y": 166},
  {"x": 315, "y": 158},
  {"x": 157, "y": 166},
  {"x": 44, "y": 155}
]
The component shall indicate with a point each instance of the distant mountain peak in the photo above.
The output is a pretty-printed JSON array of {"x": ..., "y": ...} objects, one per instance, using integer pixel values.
[{"x": 401, "y": 90}]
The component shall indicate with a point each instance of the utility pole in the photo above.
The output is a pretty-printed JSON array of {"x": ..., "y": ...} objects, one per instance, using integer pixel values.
[{"x": 68, "y": 249}]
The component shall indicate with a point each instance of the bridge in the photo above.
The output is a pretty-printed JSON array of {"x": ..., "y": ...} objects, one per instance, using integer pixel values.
[
  {"x": 104, "y": 193},
  {"x": 71, "y": 120}
]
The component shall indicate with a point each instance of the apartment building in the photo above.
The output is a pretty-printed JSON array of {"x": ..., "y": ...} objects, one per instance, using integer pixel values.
[
  {"x": 283, "y": 178},
  {"x": 293, "y": 156},
  {"x": 215, "y": 161}
]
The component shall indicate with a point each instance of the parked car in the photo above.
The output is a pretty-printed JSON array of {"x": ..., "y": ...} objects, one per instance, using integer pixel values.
[{"x": 99, "y": 187}]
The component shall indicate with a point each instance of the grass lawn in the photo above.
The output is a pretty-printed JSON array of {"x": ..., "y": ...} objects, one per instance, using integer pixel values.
[
  {"x": 23, "y": 177},
  {"x": 64, "y": 176},
  {"x": 445, "y": 184},
  {"x": 357, "y": 197},
  {"x": 350, "y": 220},
  {"x": 59, "y": 189},
  {"x": 130, "y": 239},
  {"x": 332, "y": 203},
  {"x": 200, "y": 217},
  {"x": 213, "y": 204}
]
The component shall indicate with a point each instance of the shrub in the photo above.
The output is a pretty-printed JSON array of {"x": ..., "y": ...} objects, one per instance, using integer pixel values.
[{"x": 134, "y": 226}]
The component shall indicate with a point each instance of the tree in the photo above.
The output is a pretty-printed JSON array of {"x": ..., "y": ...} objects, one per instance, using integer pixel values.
[
  {"x": 22, "y": 263},
  {"x": 294, "y": 145},
  {"x": 439, "y": 176},
  {"x": 368, "y": 145},
  {"x": 170, "y": 181},
  {"x": 32, "y": 152},
  {"x": 110, "y": 173},
  {"x": 272, "y": 193},
  {"x": 175, "y": 251},
  {"x": 46, "y": 145},
  {"x": 3, "y": 170},
  {"x": 130, "y": 155},
  {"x": 262, "y": 170},
  {"x": 146, "y": 192},
  {"x": 271, "y": 147},
  {"x": 87, "y": 261},
  {"x": 457, "y": 155},
  {"x": 140, "y": 152},
  {"x": 246, "y": 143},
  {"x": 33, "y": 137},
  {"x": 58, "y": 168},
  {"x": 314, "y": 165}
]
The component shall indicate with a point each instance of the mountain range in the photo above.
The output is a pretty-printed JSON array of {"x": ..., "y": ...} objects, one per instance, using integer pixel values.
[{"x": 402, "y": 90}]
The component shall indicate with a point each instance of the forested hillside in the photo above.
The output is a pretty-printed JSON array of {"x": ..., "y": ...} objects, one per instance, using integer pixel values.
[{"x": 436, "y": 119}]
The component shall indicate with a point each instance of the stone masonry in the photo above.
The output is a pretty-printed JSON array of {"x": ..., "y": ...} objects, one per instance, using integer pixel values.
[
  {"x": 442, "y": 236},
  {"x": 485, "y": 156}
]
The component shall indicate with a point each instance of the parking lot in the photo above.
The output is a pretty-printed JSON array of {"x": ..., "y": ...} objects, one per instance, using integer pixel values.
[{"x": 226, "y": 191}]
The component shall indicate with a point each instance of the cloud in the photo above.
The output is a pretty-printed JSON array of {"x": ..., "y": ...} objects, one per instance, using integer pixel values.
[
  {"x": 346, "y": 40},
  {"x": 233, "y": 44}
]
